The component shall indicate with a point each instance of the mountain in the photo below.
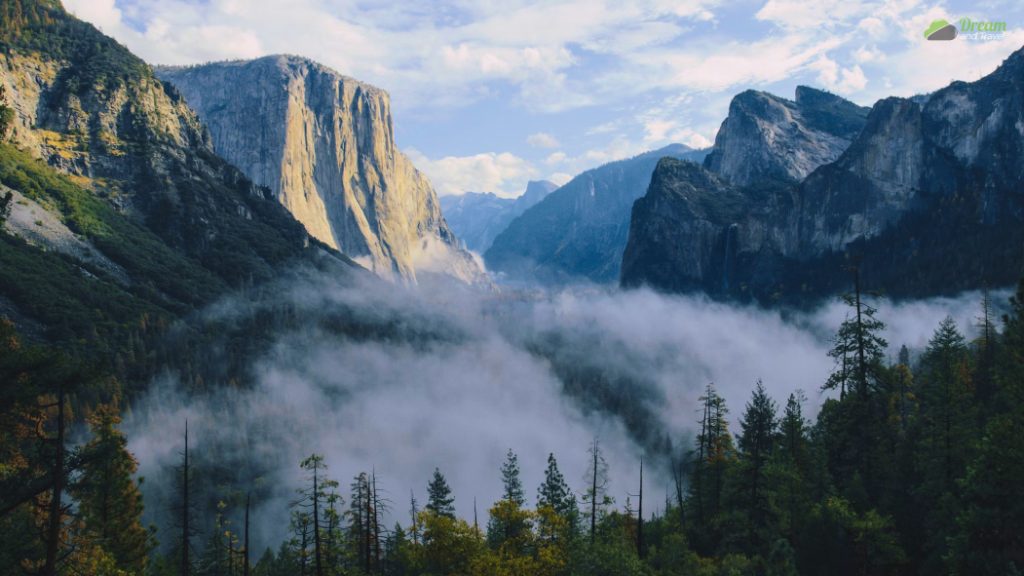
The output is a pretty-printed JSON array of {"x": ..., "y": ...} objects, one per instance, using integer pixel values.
[
  {"x": 477, "y": 218},
  {"x": 124, "y": 218},
  {"x": 765, "y": 136},
  {"x": 580, "y": 230},
  {"x": 926, "y": 200},
  {"x": 324, "y": 145}
]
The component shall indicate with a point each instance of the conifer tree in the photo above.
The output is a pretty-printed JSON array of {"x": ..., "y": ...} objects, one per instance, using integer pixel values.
[
  {"x": 510, "y": 524},
  {"x": 946, "y": 431},
  {"x": 439, "y": 496},
  {"x": 513, "y": 486},
  {"x": 756, "y": 440},
  {"x": 555, "y": 496},
  {"x": 109, "y": 500},
  {"x": 312, "y": 498}
]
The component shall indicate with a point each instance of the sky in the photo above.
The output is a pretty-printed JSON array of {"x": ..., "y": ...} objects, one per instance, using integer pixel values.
[{"x": 487, "y": 95}]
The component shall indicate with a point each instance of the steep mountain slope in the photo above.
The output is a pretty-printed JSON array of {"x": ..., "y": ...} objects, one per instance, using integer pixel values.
[
  {"x": 580, "y": 230},
  {"x": 765, "y": 136},
  {"x": 324, "y": 145},
  {"x": 477, "y": 218},
  {"x": 929, "y": 199},
  {"x": 146, "y": 223}
]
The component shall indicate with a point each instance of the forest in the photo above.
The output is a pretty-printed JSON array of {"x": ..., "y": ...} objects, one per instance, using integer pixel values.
[{"x": 911, "y": 466}]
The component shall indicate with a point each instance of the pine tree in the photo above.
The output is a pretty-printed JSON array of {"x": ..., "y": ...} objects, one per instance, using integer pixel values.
[
  {"x": 713, "y": 458},
  {"x": 789, "y": 469},
  {"x": 756, "y": 441},
  {"x": 946, "y": 431},
  {"x": 109, "y": 500},
  {"x": 554, "y": 492},
  {"x": 509, "y": 525},
  {"x": 858, "y": 348},
  {"x": 557, "y": 510},
  {"x": 513, "y": 486},
  {"x": 439, "y": 496},
  {"x": 312, "y": 499}
]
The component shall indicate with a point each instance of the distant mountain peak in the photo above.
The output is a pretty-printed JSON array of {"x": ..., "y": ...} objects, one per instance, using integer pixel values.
[{"x": 767, "y": 136}]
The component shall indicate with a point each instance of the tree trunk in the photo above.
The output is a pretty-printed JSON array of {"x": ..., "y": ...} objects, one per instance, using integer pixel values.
[{"x": 57, "y": 493}]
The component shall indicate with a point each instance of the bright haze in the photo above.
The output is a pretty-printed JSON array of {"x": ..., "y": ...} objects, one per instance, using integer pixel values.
[{"x": 488, "y": 95}]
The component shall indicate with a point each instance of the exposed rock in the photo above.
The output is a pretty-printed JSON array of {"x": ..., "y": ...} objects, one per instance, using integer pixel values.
[
  {"x": 43, "y": 227},
  {"x": 579, "y": 231},
  {"x": 96, "y": 112},
  {"x": 324, "y": 145},
  {"x": 765, "y": 136},
  {"x": 927, "y": 199},
  {"x": 477, "y": 218}
]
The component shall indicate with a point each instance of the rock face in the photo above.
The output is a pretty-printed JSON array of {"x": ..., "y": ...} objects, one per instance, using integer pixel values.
[
  {"x": 91, "y": 109},
  {"x": 579, "y": 231},
  {"x": 324, "y": 145},
  {"x": 477, "y": 218},
  {"x": 765, "y": 136},
  {"x": 928, "y": 199}
]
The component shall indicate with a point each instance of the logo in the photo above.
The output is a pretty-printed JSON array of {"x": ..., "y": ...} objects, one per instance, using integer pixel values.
[{"x": 966, "y": 28}]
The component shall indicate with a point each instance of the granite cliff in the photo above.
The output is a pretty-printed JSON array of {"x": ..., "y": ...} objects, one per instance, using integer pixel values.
[
  {"x": 324, "y": 145},
  {"x": 926, "y": 199}
]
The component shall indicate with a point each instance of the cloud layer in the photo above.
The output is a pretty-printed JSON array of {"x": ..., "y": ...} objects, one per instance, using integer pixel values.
[{"x": 450, "y": 378}]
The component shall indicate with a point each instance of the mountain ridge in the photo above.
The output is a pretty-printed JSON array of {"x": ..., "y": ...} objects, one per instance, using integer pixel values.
[
  {"x": 478, "y": 217},
  {"x": 579, "y": 231},
  {"x": 925, "y": 200}
]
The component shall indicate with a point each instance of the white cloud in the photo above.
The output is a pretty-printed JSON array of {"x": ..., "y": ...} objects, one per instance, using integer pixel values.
[
  {"x": 555, "y": 158},
  {"x": 838, "y": 79},
  {"x": 542, "y": 140},
  {"x": 800, "y": 14},
  {"x": 560, "y": 178},
  {"x": 504, "y": 173},
  {"x": 104, "y": 14}
]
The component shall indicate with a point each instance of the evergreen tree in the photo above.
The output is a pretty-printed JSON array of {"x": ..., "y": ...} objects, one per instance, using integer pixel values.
[
  {"x": 756, "y": 440},
  {"x": 554, "y": 492},
  {"x": 513, "y": 486},
  {"x": 988, "y": 539},
  {"x": 439, "y": 496},
  {"x": 312, "y": 499},
  {"x": 109, "y": 500},
  {"x": 789, "y": 470},
  {"x": 858, "y": 348},
  {"x": 510, "y": 524}
]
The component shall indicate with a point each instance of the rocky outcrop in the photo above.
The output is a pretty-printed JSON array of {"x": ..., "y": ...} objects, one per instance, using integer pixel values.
[
  {"x": 765, "y": 136},
  {"x": 324, "y": 145},
  {"x": 927, "y": 199},
  {"x": 477, "y": 218},
  {"x": 91, "y": 109},
  {"x": 579, "y": 231}
]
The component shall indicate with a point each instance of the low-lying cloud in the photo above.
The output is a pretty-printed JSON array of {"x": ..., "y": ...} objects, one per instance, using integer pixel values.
[{"x": 399, "y": 381}]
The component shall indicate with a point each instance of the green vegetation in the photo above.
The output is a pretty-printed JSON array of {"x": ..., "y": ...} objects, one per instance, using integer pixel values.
[
  {"x": 912, "y": 467},
  {"x": 43, "y": 27},
  {"x": 164, "y": 275}
]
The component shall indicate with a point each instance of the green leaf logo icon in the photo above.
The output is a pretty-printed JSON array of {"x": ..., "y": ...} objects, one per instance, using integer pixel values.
[{"x": 940, "y": 30}]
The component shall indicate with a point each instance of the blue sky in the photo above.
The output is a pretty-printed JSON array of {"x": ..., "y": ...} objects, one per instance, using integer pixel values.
[{"x": 488, "y": 94}]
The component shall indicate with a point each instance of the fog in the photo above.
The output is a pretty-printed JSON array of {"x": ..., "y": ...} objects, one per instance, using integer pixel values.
[{"x": 452, "y": 378}]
